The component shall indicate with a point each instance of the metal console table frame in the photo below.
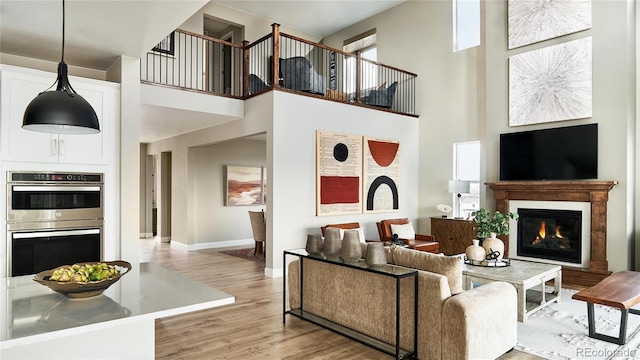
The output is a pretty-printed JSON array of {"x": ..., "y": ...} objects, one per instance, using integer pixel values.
[{"x": 396, "y": 272}]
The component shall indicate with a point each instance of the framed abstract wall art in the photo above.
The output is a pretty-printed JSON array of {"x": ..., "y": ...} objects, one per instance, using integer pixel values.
[
  {"x": 339, "y": 173},
  {"x": 243, "y": 185},
  {"x": 532, "y": 21},
  {"x": 551, "y": 84},
  {"x": 381, "y": 175}
]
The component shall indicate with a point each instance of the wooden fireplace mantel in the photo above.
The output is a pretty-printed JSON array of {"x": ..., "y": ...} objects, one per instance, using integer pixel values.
[{"x": 595, "y": 192}]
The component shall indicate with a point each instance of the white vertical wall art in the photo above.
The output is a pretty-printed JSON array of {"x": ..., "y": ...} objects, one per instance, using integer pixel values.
[
  {"x": 551, "y": 84},
  {"x": 532, "y": 21}
]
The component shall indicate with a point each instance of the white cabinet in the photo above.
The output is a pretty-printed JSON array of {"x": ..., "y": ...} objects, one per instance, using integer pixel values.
[{"x": 19, "y": 86}]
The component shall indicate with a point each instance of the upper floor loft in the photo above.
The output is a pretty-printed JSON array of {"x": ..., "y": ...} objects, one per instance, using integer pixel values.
[{"x": 277, "y": 61}]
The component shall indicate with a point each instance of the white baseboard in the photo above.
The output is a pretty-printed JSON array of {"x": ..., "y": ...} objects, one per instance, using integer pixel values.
[
  {"x": 212, "y": 244},
  {"x": 148, "y": 235},
  {"x": 165, "y": 239},
  {"x": 273, "y": 273}
]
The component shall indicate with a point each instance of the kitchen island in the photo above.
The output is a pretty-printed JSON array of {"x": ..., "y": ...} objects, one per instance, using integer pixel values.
[{"x": 36, "y": 322}]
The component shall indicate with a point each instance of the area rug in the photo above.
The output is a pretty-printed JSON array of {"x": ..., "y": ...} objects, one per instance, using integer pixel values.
[
  {"x": 561, "y": 331},
  {"x": 245, "y": 254}
]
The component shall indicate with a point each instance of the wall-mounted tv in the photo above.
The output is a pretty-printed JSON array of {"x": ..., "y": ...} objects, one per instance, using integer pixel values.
[{"x": 566, "y": 153}]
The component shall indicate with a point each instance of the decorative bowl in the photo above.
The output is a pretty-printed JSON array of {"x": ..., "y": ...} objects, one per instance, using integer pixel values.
[{"x": 82, "y": 290}]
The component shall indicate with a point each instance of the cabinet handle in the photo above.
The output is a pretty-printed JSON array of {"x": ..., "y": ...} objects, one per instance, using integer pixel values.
[
  {"x": 61, "y": 147},
  {"x": 54, "y": 148}
]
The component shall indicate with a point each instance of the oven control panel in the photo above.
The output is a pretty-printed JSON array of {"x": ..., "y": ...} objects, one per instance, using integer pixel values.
[{"x": 54, "y": 177}]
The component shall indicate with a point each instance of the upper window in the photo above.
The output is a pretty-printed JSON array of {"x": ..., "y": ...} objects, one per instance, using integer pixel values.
[{"x": 365, "y": 43}]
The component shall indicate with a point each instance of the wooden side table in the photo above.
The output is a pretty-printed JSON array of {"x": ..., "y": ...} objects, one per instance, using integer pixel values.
[
  {"x": 454, "y": 235},
  {"x": 620, "y": 290}
]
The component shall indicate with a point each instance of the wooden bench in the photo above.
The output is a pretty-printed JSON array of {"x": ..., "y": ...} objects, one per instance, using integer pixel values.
[{"x": 619, "y": 290}]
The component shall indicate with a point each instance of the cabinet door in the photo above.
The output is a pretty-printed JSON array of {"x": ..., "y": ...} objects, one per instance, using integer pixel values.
[
  {"x": 19, "y": 87},
  {"x": 90, "y": 149},
  {"x": 17, "y": 143}
]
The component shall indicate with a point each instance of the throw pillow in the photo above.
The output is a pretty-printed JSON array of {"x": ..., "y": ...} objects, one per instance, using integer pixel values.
[
  {"x": 404, "y": 231},
  {"x": 449, "y": 266}
]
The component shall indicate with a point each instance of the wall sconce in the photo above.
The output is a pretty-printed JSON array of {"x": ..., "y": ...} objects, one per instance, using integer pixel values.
[{"x": 458, "y": 187}]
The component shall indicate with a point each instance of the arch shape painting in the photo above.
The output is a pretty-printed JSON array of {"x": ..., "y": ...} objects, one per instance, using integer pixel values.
[{"x": 381, "y": 175}]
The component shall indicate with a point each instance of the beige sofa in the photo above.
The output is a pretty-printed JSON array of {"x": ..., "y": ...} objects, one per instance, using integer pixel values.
[{"x": 452, "y": 323}]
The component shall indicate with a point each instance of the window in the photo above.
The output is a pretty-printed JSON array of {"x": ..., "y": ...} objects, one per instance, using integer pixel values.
[
  {"x": 466, "y": 24},
  {"x": 366, "y": 43},
  {"x": 466, "y": 158}
]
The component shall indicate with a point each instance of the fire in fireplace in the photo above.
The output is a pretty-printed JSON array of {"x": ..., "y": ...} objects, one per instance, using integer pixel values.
[{"x": 550, "y": 234}]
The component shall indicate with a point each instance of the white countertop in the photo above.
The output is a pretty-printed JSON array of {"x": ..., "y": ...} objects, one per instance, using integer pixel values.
[{"x": 31, "y": 312}]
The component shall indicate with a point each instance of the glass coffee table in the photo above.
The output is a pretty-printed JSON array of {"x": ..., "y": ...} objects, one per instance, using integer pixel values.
[{"x": 523, "y": 275}]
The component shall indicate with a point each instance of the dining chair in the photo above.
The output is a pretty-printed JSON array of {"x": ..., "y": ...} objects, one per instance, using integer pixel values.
[{"x": 259, "y": 228}]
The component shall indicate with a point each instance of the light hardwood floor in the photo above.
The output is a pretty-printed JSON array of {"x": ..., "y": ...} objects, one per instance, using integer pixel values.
[{"x": 252, "y": 327}]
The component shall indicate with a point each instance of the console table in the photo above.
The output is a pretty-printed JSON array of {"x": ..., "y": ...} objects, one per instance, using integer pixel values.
[{"x": 395, "y": 272}]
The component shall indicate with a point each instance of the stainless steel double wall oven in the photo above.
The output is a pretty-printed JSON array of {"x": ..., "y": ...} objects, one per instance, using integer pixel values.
[{"x": 53, "y": 219}]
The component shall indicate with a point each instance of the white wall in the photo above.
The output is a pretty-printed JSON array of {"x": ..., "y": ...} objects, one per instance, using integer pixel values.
[
  {"x": 215, "y": 222},
  {"x": 292, "y": 164}
]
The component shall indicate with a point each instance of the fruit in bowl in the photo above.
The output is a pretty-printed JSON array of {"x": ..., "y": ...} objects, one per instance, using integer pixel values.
[
  {"x": 83, "y": 273},
  {"x": 85, "y": 279}
]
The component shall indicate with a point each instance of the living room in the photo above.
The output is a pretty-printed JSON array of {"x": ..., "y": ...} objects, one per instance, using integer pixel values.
[{"x": 462, "y": 97}]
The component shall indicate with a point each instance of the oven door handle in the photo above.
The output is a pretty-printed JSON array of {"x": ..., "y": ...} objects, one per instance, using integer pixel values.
[
  {"x": 55, "y": 188},
  {"x": 39, "y": 234}
]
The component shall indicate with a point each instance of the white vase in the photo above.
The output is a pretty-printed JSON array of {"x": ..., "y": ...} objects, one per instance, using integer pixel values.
[
  {"x": 492, "y": 244},
  {"x": 475, "y": 252}
]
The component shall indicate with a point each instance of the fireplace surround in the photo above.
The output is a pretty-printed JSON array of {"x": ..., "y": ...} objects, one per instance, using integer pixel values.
[{"x": 595, "y": 192}]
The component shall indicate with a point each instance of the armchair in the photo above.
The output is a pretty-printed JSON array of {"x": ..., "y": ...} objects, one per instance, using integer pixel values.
[
  {"x": 298, "y": 74},
  {"x": 256, "y": 84},
  {"x": 381, "y": 98},
  {"x": 404, "y": 229},
  {"x": 346, "y": 226}
]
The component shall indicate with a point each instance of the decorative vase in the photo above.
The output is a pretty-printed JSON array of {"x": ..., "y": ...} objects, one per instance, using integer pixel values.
[
  {"x": 351, "y": 249},
  {"x": 332, "y": 243},
  {"x": 475, "y": 252},
  {"x": 314, "y": 244},
  {"x": 375, "y": 255},
  {"x": 493, "y": 244}
]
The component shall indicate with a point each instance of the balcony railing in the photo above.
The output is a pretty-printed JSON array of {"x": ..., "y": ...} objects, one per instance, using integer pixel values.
[{"x": 283, "y": 62}]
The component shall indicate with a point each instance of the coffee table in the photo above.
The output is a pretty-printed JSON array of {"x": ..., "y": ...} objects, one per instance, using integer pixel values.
[{"x": 523, "y": 275}]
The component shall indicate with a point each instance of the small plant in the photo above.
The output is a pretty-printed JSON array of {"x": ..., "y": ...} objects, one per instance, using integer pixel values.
[{"x": 487, "y": 224}]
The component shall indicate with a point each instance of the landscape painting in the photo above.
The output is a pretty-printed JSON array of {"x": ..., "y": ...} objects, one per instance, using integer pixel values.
[{"x": 244, "y": 185}]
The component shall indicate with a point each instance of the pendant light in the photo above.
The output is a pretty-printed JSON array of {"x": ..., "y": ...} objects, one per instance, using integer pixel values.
[{"x": 61, "y": 111}]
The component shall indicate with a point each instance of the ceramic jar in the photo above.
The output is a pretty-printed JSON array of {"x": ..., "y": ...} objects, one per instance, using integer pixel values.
[
  {"x": 492, "y": 244},
  {"x": 375, "y": 255},
  {"x": 314, "y": 244},
  {"x": 475, "y": 252},
  {"x": 332, "y": 243},
  {"x": 351, "y": 250}
]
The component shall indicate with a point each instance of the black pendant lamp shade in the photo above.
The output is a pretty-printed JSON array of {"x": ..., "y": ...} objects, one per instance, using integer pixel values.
[{"x": 61, "y": 111}]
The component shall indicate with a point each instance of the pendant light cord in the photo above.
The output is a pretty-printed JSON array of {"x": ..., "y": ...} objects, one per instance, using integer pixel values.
[{"x": 63, "y": 12}]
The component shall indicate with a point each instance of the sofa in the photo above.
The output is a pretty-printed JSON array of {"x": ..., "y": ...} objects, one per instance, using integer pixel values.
[
  {"x": 452, "y": 324},
  {"x": 298, "y": 74}
]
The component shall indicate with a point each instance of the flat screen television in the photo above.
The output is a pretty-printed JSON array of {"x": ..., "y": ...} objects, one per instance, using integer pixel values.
[{"x": 566, "y": 153}]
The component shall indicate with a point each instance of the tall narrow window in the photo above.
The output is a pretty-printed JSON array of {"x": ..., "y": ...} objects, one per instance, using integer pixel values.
[
  {"x": 466, "y": 24},
  {"x": 366, "y": 43},
  {"x": 466, "y": 157}
]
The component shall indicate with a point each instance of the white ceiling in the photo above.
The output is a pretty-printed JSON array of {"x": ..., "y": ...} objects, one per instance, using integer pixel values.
[{"x": 99, "y": 31}]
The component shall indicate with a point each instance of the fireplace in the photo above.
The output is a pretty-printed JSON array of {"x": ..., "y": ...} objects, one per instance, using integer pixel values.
[
  {"x": 593, "y": 193},
  {"x": 550, "y": 234}
]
